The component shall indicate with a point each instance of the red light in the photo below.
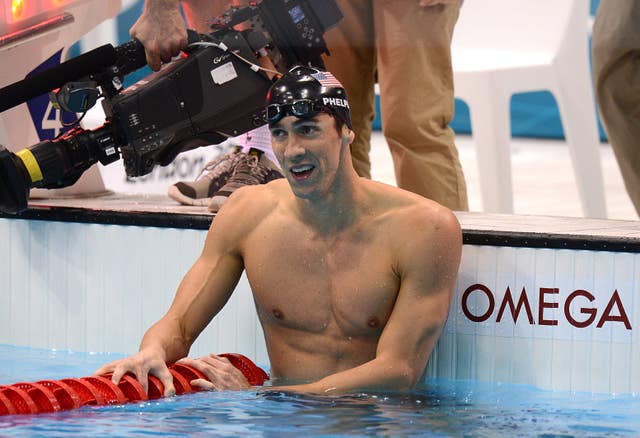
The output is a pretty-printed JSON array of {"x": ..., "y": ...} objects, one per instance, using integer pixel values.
[
  {"x": 17, "y": 8},
  {"x": 24, "y": 10}
]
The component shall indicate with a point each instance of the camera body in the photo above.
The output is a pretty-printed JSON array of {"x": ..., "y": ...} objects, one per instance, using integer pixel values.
[
  {"x": 182, "y": 107},
  {"x": 215, "y": 91}
]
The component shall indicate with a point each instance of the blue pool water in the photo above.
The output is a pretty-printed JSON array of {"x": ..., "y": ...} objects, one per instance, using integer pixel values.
[{"x": 444, "y": 408}]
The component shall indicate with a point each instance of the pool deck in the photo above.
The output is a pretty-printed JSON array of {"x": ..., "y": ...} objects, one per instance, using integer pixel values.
[{"x": 478, "y": 228}]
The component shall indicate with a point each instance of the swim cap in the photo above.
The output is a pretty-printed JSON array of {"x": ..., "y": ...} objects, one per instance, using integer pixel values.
[{"x": 304, "y": 92}]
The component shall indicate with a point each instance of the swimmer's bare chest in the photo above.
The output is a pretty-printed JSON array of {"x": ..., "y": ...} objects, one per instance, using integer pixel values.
[{"x": 344, "y": 286}]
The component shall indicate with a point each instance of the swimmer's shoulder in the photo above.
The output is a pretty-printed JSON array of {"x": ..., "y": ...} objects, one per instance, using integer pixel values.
[
  {"x": 252, "y": 203},
  {"x": 243, "y": 213},
  {"x": 410, "y": 211}
]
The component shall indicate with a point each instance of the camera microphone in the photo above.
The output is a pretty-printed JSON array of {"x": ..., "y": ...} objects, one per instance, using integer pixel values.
[{"x": 41, "y": 83}]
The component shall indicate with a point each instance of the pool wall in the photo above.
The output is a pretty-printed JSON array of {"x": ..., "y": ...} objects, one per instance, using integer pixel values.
[
  {"x": 553, "y": 318},
  {"x": 560, "y": 315},
  {"x": 93, "y": 287}
]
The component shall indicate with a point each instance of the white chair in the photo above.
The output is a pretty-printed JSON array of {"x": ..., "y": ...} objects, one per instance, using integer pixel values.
[{"x": 503, "y": 47}]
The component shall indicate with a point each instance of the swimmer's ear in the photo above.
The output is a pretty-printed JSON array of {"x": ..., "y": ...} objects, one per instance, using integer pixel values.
[{"x": 347, "y": 135}]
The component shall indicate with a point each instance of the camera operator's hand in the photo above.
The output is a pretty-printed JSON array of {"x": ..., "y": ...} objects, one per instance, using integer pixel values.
[
  {"x": 161, "y": 30},
  {"x": 141, "y": 364},
  {"x": 222, "y": 375}
]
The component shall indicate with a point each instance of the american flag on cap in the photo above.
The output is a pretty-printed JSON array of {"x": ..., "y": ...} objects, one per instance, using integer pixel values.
[{"x": 326, "y": 79}]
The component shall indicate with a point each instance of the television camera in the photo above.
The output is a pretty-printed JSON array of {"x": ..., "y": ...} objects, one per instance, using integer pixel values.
[{"x": 214, "y": 91}]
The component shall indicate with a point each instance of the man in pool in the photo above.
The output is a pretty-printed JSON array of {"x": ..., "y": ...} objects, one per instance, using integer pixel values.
[{"x": 352, "y": 279}]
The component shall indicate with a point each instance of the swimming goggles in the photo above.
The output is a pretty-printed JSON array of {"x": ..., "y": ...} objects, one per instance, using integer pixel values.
[{"x": 303, "y": 108}]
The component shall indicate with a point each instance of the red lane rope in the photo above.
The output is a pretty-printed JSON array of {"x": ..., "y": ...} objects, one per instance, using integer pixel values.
[
  {"x": 59, "y": 395},
  {"x": 254, "y": 374}
]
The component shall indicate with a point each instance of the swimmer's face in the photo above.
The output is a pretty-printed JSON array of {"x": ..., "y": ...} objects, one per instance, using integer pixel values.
[{"x": 310, "y": 152}]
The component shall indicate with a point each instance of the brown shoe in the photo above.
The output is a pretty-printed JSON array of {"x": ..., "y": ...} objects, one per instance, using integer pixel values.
[
  {"x": 252, "y": 169},
  {"x": 212, "y": 177}
]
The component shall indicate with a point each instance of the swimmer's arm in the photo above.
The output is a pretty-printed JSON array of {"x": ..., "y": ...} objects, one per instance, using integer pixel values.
[
  {"x": 203, "y": 292},
  {"x": 428, "y": 267},
  {"x": 206, "y": 287}
]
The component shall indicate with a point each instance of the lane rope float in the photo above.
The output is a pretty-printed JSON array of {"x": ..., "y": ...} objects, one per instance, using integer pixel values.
[{"x": 60, "y": 395}]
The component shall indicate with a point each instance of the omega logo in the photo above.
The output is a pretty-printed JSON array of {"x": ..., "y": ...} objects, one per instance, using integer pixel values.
[{"x": 582, "y": 318}]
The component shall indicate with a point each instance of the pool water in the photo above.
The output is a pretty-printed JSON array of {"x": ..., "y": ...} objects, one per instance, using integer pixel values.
[{"x": 443, "y": 408}]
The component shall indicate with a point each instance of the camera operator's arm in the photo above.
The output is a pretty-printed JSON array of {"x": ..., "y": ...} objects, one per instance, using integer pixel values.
[
  {"x": 201, "y": 295},
  {"x": 199, "y": 12},
  {"x": 162, "y": 30}
]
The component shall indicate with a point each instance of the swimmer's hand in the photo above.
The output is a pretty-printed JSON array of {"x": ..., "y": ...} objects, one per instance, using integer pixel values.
[
  {"x": 222, "y": 375},
  {"x": 141, "y": 364}
]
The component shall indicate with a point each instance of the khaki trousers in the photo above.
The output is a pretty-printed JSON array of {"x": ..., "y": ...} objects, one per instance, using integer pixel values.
[
  {"x": 407, "y": 49},
  {"x": 616, "y": 69}
]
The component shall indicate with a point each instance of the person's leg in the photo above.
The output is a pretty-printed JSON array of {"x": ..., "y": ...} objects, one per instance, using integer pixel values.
[
  {"x": 417, "y": 102},
  {"x": 352, "y": 61},
  {"x": 616, "y": 70}
]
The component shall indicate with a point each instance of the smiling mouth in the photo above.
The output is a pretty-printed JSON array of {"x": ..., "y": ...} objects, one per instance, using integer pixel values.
[{"x": 302, "y": 172}]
